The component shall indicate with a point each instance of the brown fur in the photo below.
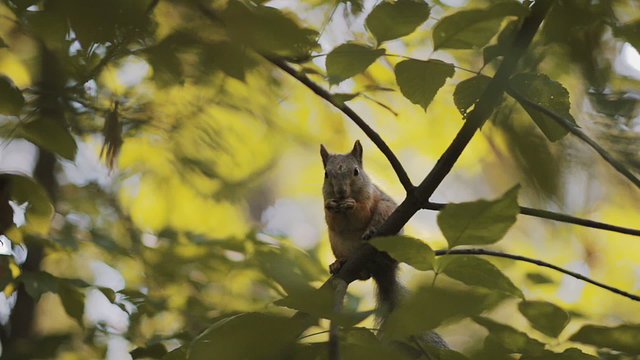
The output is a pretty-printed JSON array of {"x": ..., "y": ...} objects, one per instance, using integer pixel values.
[{"x": 354, "y": 209}]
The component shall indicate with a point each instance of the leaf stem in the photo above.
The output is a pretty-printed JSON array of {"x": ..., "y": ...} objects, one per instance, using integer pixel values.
[
  {"x": 550, "y": 215},
  {"x": 577, "y": 132},
  {"x": 478, "y": 251}
]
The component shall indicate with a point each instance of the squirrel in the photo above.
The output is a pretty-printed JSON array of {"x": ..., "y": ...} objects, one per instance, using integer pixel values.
[{"x": 354, "y": 208}]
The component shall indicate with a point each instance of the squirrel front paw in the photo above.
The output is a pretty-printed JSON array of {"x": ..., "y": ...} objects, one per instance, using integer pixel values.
[
  {"x": 368, "y": 234},
  {"x": 347, "y": 204},
  {"x": 338, "y": 206},
  {"x": 336, "y": 266},
  {"x": 332, "y": 205}
]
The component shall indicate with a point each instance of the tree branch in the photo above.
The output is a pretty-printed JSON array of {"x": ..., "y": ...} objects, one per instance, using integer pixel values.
[
  {"x": 550, "y": 215},
  {"x": 575, "y": 130},
  {"x": 372, "y": 134},
  {"x": 483, "y": 109},
  {"x": 536, "y": 262}
]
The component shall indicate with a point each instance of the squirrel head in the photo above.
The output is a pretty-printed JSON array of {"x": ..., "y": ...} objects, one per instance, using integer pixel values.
[{"x": 344, "y": 176}]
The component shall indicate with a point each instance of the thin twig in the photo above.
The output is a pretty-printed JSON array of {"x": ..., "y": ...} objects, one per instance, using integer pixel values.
[
  {"x": 536, "y": 262},
  {"x": 575, "y": 130},
  {"x": 313, "y": 334},
  {"x": 550, "y": 215},
  {"x": 372, "y": 134}
]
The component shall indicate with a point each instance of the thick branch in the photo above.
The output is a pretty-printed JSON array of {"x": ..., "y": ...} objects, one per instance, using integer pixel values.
[
  {"x": 545, "y": 214},
  {"x": 372, "y": 134},
  {"x": 575, "y": 130},
  {"x": 539, "y": 263},
  {"x": 483, "y": 109},
  {"x": 23, "y": 314}
]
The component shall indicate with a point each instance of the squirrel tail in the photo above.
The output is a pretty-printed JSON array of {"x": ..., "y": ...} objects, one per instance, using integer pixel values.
[{"x": 384, "y": 271}]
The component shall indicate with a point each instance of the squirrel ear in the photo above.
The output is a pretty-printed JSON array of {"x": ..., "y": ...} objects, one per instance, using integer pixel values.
[
  {"x": 324, "y": 154},
  {"x": 357, "y": 151}
]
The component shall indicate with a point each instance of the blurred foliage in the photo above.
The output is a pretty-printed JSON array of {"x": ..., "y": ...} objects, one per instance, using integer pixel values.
[{"x": 207, "y": 214}]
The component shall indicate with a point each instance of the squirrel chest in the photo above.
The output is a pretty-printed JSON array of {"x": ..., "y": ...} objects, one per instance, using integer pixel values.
[{"x": 346, "y": 228}]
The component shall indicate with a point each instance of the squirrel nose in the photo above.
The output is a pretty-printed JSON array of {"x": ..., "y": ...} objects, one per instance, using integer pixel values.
[{"x": 341, "y": 193}]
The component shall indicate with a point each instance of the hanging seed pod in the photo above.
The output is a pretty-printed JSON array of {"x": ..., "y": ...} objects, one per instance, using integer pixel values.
[{"x": 112, "y": 132}]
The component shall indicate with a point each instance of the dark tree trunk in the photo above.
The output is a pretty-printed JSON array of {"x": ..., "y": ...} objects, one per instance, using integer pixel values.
[{"x": 21, "y": 323}]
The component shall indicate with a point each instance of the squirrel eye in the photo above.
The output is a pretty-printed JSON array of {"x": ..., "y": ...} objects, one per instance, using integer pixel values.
[
  {"x": 356, "y": 172},
  {"x": 325, "y": 174}
]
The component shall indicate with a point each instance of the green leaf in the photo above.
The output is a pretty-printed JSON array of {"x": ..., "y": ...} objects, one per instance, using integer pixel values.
[
  {"x": 100, "y": 21},
  {"x": 6, "y": 275},
  {"x": 248, "y": 336},
  {"x": 538, "y": 278},
  {"x": 630, "y": 33},
  {"x": 491, "y": 52},
  {"x": 107, "y": 243},
  {"x": 438, "y": 352},
  {"x": 548, "y": 93},
  {"x": 341, "y": 98},
  {"x": 177, "y": 354},
  {"x": 391, "y": 20},
  {"x": 319, "y": 302},
  {"x": 283, "y": 269},
  {"x": 232, "y": 59},
  {"x": 479, "y": 222},
  {"x": 348, "y": 60},
  {"x": 356, "y": 6},
  {"x": 406, "y": 249},
  {"x": 269, "y": 30},
  {"x": 163, "y": 56},
  {"x": 51, "y": 25},
  {"x": 429, "y": 307},
  {"x": 39, "y": 211},
  {"x": 505, "y": 40},
  {"x": 153, "y": 351},
  {"x": 313, "y": 350},
  {"x": 544, "y": 316},
  {"x": 568, "y": 354},
  {"x": 469, "y": 91},
  {"x": 474, "y": 271},
  {"x": 52, "y": 135},
  {"x": 11, "y": 99},
  {"x": 72, "y": 300},
  {"x": 145, "y": 304},
  {"x": 108, "y": 293},
  {"x": 420, "y": 80},
  {"x": 512, "y": 340},
  {"x": 468, "y": 29},
  {"x": 37, "y": 283},
  {"x": 6, "y": 211},
  {"x": 624, "y": 338},
  {"x": 359, "y": 343}
]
